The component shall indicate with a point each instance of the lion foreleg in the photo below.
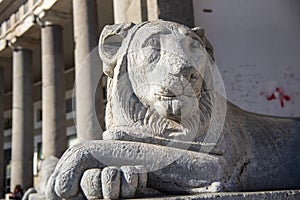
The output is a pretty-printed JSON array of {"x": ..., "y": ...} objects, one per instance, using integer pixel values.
[{"x": 182, "y": 168}]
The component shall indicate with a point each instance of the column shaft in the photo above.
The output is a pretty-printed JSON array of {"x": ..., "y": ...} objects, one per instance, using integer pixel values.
[
  {"x": 136, "y": 11},
  {"x": 89, "y": 106},
  {"x": 53, "y": 99},
  {"x": 171, "y": 10},
  {"x": 2, "y": 179},
  {"x": 120, "y": 11},
  {"x": 22, "y": 130}
]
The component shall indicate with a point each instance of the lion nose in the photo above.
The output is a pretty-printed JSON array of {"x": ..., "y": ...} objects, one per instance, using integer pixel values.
[{"x": 190, "y": 73}]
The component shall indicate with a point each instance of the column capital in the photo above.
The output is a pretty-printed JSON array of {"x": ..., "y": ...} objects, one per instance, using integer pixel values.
[
  {"x": 23, "y": 43},
  {"x": 50, "y": 17}
]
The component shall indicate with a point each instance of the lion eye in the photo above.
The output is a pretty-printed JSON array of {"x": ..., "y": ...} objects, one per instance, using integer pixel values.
[
  {"x": 195, "y": 44},
  {"x": 153, "y": 42}
]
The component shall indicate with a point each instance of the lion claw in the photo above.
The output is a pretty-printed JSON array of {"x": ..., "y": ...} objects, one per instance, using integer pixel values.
[{"x": 113, "y": 182}]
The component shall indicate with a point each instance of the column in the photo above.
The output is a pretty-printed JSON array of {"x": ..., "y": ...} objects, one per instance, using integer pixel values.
[
  {"x": 22, "y": 130},
  {"x": 120, "y": 9},
  {"x": 89, "y": 101},
  {"x": 2, "y": 179},
  {"x": 53, "y": 91},
  {"x": 171, "y": 10},
  {"x": 130, "y": 11}
]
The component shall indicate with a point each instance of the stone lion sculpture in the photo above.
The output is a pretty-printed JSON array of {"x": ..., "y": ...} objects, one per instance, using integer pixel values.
[{"x": 168, "y": 130}]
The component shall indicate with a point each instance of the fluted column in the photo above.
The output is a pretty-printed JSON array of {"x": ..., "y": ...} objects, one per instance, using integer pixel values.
[
  {"x": 22, "y": 127},
  {"x": 1, "y": 134},
  {"x": 53, "y": 92},
  {"x": 89, "y": 105}
]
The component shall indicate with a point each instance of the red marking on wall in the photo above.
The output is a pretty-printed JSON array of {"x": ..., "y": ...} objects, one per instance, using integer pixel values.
[{"x": 280, "y": 95}]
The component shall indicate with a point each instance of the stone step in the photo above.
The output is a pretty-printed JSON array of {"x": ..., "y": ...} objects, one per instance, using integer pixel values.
[{"x": 265, "y": 195}]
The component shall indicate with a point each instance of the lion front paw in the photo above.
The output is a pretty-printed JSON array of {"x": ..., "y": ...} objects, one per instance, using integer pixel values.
[{"x": 113, "y": 182}]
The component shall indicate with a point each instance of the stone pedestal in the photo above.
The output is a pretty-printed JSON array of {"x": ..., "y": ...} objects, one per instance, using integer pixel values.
[
  {"x": 53, "y": 99},
  {"x": 1, "y": 135},
  {"x": 22, "y": 126},
  {"x": 171, "y": 10},
  {"x": 89, "y": 106},
  {"x": 268, "y": 195}
]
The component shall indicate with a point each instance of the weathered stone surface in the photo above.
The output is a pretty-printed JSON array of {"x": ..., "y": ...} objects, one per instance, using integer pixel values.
[
  {"x": 164, "y": 102},
  {"x": 131, "y": 153},
  {"x": 37, "y": 196},
  {"x": 91, "y": 184},
  {"x": 47, "y": 168},
  {"x": 142, "y": 177},
  {"x": 110, "y": 179},
  {"x": 129, "y": 182},
  {"x": 268, "y": 195}
]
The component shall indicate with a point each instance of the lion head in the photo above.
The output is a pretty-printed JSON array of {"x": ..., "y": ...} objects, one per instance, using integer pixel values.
[{"x": 158, "y": 78}]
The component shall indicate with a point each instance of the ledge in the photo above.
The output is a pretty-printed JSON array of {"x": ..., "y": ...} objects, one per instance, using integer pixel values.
[
  {"x": 272, "y": 195},
  {"x": 266, "y": 195}
]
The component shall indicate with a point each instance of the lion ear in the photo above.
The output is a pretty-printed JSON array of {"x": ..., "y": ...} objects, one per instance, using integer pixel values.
[
  {"x": 110, "y": 42},
  {"x": 208, "y": 46}
]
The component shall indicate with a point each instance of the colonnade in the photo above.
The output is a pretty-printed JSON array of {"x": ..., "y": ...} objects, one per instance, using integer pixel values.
[{"x": 53, "y": 90}]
